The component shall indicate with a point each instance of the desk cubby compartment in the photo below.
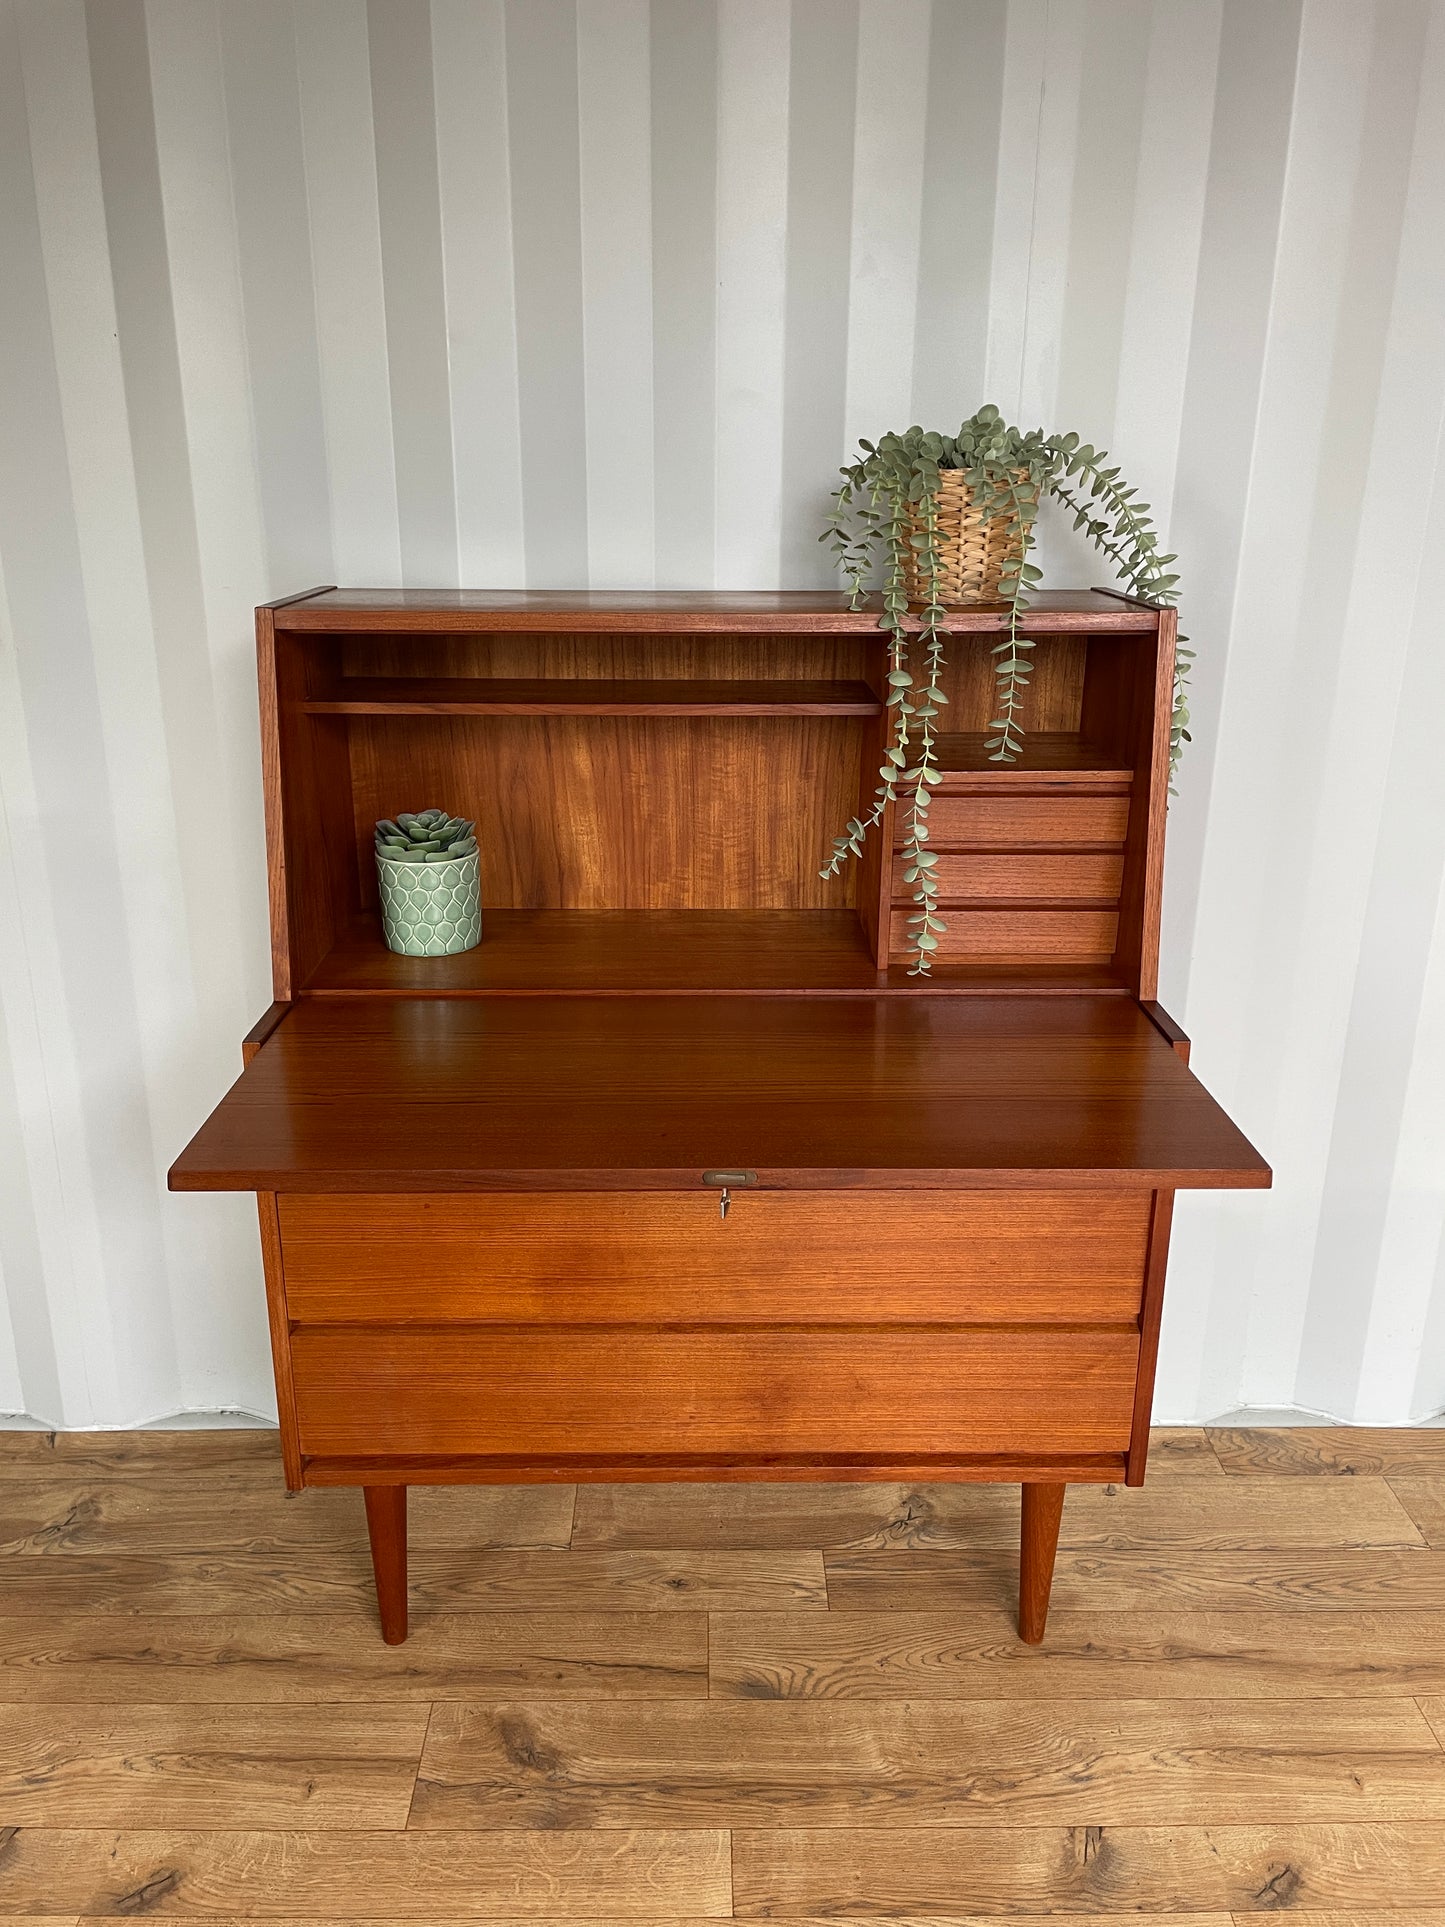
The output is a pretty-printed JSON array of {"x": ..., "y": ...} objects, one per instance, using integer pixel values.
[{"x": 655, "y": 795}]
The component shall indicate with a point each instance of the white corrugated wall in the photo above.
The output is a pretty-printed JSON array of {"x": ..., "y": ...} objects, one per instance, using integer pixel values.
[{"x": 569, "y": 291}]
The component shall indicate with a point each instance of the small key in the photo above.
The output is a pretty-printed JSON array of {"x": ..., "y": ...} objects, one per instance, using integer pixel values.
[{"x": 723, "y": 1202}]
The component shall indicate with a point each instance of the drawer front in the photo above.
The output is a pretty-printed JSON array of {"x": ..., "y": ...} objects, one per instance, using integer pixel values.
[
  {"x": 1009, "y": 822},
  {"x": 574, "y": 1393},
  {"x": 921, "y": 1257},
  {"x": 1016, "y": 936},
  {"x": 1088, "y": 877}
]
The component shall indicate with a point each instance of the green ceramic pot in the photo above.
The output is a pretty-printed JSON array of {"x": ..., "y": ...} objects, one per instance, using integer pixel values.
[{"x": 431, "y": 909}]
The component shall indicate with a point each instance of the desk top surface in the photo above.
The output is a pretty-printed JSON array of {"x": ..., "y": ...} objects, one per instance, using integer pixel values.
[{"x": 437, "y": 1094}]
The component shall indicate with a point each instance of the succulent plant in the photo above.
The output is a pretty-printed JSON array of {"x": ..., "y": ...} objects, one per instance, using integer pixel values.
[{"x": 425, "y": 836}]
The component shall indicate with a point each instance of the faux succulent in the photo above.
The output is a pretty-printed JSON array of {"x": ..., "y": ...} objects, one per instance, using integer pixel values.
[{"x": 428, "y": 836}]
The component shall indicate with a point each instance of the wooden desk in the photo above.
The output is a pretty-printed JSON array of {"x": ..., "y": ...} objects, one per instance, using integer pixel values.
[{"x": 491, "y": 1187}]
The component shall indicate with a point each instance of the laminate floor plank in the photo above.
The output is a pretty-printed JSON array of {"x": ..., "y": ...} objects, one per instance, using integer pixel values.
[
  {"x": 1433, "y": 1707},
  {"x": 336, "y": 1657},
  {"x": 1360, "y": 1451},
  {"x": 1098, "y": 1870},
  {"x": 901, "y": 1654},
  {"x": 1296, "y": 1579},
  {"x": 246, "y": 1766},
  {"x": 242, "y": 1451},
  {"x": 364, "y": 1875},
  {"x": 1424, "y": 1500},
  {"x": 732, "y": 1763},
  {"x": 200, "y": 1583},
  {"x": 1205, "y": 1514},
  {"x": 1356, "y": 1917},
  {"x": 518, "y": 1580},
  {"x": 1182, "y": 1451},
  {"x": 793, "y": 1517},
  {"x": 49, "y": 1517},
  {"x": 974, "y": 1920}
]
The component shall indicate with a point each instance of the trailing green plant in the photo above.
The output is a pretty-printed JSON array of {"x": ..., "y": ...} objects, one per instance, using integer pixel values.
[
  {"x": 428, "y": 836},
  {"x": 884, "y": 521}
]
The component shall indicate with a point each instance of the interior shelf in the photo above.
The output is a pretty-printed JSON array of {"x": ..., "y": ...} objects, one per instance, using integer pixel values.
[
  {"x": 553, "y": 696},
  {"x": 644, "y": 952}
]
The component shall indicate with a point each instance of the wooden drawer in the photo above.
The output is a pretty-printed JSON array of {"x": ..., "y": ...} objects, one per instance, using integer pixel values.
[
  {"x": 1010, "y": 822},
  {"x": 574, "y": 1393},
  {"x": 1016, "y": 936},
  {"x": 1089, "y": 877},
  {"x": 919, "y": 1257}
]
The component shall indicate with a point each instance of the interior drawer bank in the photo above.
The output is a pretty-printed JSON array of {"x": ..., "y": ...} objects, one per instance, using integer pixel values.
[{"x": 777, "y": 1257}]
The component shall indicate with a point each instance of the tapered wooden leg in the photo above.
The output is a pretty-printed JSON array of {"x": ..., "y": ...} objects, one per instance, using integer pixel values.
[
  {"x": 386, "y": 1525},
  {"x": 1038, "y": 1542}
]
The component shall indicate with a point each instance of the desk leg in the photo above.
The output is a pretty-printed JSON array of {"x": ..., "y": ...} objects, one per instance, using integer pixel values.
[
  {"x": 386, "y": 1526},
  {"x": 1038, "y": 1542}
]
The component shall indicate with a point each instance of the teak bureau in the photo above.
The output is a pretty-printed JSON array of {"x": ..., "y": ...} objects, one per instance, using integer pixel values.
[{"x": 680, "y": 1174}]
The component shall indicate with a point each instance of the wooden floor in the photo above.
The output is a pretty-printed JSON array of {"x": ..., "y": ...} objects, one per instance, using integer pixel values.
[{"x": 673, "y": 1703}]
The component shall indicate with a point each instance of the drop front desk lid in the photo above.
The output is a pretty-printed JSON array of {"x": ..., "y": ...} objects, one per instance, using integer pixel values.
[{"x": 635, "y": 1093}]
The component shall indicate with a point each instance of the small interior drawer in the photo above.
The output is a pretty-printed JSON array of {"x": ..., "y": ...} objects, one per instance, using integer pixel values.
[
  {"x": 779, "y": 1257},
  {"x": 1012, "y": 822},
  {"x": 1015, "y": 936},
  {"x": 1088, "y": 876}
]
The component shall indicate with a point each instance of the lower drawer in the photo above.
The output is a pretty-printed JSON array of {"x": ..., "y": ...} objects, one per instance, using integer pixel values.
[
  {"x": 573, "y": 1392},
  {"x": 616, "y": 1257},
  {"x": 1017, "y": 936}
]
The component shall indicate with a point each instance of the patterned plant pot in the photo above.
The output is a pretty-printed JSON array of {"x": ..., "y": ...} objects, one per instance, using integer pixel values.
[{"x": 431, "y": 909}]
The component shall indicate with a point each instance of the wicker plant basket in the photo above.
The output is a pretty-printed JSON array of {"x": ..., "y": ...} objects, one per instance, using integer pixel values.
[{"x": 972, "y": 554}]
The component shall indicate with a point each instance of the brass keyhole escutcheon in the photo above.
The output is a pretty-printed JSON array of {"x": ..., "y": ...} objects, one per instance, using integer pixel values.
[{"x": 727, "y": 1180}]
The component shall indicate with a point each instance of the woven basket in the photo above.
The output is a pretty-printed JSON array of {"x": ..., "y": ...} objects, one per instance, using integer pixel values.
[{"x": 972, "y": 554}]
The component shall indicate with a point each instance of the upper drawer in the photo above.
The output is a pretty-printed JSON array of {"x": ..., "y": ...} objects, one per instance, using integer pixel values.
[{"x": 780, "y": 1257}]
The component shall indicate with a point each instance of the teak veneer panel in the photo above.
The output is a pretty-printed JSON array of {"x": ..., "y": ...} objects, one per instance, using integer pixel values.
[
  {"x": 672, "y": 612},
  {"x": 647, "y": 1093},
  {"x": 1017, "y": 935},
  {"x": 779, "y": 1257},
  {"x": 541, "y": 696},
  {"x": 621, "y": 812},
  {"x": 748, "y": 1394},
  {"x": 1017, "y": 822},
  {"x": 698, "y": 953},
  {"x": 1093, "y": 877}
]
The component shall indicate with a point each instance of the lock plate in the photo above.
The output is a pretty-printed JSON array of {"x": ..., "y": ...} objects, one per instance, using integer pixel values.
[{"x": 730, "y": 1180}]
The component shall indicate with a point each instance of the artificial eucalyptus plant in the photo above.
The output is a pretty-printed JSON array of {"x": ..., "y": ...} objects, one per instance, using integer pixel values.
[{"x": 885, "y": 519}]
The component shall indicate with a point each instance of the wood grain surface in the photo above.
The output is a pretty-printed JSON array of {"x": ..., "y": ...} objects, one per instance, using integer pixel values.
[
  {"x": 1323, "y": 1451},
  {"x": 948, "y": 1872},
  {"x": 209, "y": 1766},
  {"x": 1203, "y": 1514},
  {"x": 727, "y": 612},
  {"x": 670, "y": 1714},
  {"x": 840, "y": 1763},
  {"x": 950, "y": 1258},
  {"x": 806, "y": 1393},
  {"x": 391, "y": 1094},
  {"x": 638, "y": 953},
  {"x": 172, "y": 1873}
]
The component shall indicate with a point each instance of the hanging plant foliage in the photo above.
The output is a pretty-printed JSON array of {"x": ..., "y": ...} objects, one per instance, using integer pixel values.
[{"x": 885, "y": 523}]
